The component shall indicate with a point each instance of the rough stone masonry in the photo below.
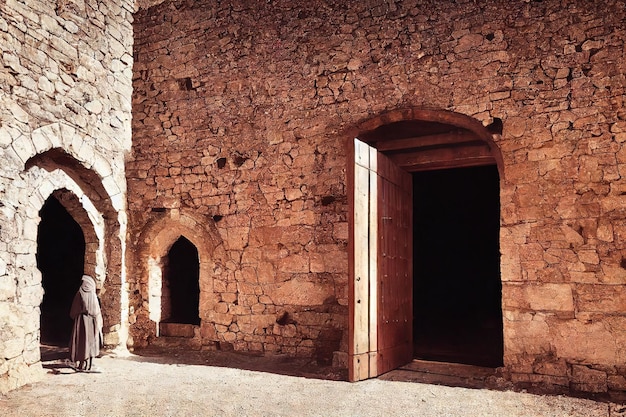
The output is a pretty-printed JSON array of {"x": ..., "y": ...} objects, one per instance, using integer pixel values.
[
  {"x": 65, "y": 111},
  {"x": 241, "y": 112},
  {"x": 239, "y": 117}
]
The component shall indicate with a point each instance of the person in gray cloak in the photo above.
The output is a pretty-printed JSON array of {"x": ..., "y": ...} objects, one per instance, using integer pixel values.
[{"x": 87, "y": 330}]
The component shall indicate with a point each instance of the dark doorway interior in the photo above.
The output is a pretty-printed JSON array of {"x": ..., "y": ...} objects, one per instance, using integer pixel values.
[
  {"x": 60, "y": 258},
  {"x": 457, "y": 287},
  {"x": 182, "y": 280}
]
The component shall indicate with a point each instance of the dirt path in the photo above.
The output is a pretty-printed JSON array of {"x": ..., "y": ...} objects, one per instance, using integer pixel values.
[{"x": 143, "y": 386}]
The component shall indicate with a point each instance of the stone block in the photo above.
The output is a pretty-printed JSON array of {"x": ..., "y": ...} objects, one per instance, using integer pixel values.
[
  {"x": 247, "y": 274},
  {"x": 300, "y": 291},
  {"x": 257, "y": 308},
  {"x": 600, "y": 298},
  {"x": 616, "y": 383},
  {"x": 556, "y": 368},
  {"x": 30, "y": 296},
  {"x": 590, "y": 341},
  {"x": 340, "y": 231},
  {"x": 613, "y": 274},
  {"x": 266, "y": 272},
  {"x": 223, "y": 319},
  {"x": 589, "y": 256},
  {"x": 526, "y": 338},
  {"x": 221, "y": 307},
  {"x": 538, "y": 297},
  {"x": 295, "y": 263},
  {"x": 334, "y": 261},
  {"x": 261, "y": 321},
  {"x": 228, "y": 297},
  {"x": 236, "y": 237},
  {"x": 229, "y": 337},
  {"x": 588, "y": 380},
  {"x": 176, "y": 330}
]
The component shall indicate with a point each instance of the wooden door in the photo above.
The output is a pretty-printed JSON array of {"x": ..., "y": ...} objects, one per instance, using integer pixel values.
[
  {"x": 381, "y": 279},
  {"x": 395, "y": 266}
]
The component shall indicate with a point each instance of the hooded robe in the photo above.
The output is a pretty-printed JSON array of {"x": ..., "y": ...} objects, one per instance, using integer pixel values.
[{"x": 87, "y": 330}]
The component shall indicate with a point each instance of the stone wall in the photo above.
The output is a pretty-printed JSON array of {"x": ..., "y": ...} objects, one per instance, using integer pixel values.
[
  {"x": 240, "y": 114},
  {"x": 65, "y": 101}
]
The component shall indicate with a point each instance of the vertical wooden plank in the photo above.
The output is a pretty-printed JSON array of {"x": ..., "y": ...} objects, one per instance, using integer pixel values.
[
  {"x": 354, "y": 368},
  {"x": 373, "y": 265},
  {"x": 361, "y": 260},
  {"x": 395, "y": 276},
  {"x": 360, "y": 352}
]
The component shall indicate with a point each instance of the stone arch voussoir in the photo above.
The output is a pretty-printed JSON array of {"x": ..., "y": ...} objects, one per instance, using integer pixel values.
[
  {"x": 79, "y": 146},
  {"x": 432, "y": 115}
]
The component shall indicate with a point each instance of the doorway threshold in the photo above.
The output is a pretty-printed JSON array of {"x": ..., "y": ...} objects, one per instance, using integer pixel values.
[{"x": 446, "y": 373}]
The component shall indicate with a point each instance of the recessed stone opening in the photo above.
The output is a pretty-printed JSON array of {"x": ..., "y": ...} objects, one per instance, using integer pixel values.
[
  {"x": 456, "y": 265},
  {"x": 180, "y": 293},
  {"x": 86, "y": 199},
  {"x": 60, "y": 258}
]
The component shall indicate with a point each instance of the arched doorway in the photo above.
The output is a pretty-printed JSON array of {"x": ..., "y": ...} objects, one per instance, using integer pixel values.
[
  {"x": 409, "y": 193},
  {"x": 84, "y": 196},
  {"x": 180, "y": 293},
  {"x": 60, "y": 258}
]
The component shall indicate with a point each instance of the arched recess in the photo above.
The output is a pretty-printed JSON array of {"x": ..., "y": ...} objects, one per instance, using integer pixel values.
[
  {"x": 384, "y": 155},
  {"x": 149, "y": 261},
  {"x": 67, "y": 248},
  {"x": 55, "y": 170},
  {"x": 94, "y": 256},
  {"x": 180, "y": 290}
]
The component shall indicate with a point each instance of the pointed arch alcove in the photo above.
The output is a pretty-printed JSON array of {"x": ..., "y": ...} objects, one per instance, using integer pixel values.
[
  {"x": 180, "y": 287},
  {"x": 386, "y": 157},
  {"x": 168, "y": 248}
]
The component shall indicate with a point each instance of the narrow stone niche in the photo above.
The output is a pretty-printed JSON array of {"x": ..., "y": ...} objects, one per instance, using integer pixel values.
[{"x": 180, "y": 293}]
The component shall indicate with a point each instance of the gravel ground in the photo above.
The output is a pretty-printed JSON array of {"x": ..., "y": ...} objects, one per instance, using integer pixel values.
[{"x": 138, "y": 386}]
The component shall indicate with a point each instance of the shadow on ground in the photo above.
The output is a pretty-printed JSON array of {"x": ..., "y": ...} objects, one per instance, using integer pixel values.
[
  {"x": 434, "y": 373},
  {"x": 53, "y": 358},
  {"x": 276, "y": 364}
]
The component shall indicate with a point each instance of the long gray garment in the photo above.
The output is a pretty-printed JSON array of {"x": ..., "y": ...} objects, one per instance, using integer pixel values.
[{"x": 87, "y": 330}]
